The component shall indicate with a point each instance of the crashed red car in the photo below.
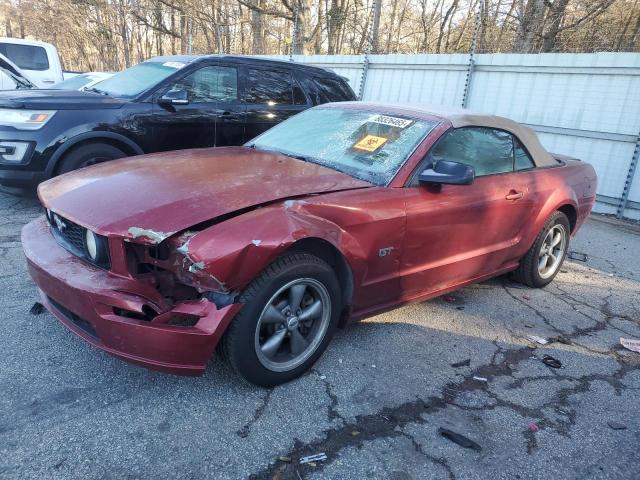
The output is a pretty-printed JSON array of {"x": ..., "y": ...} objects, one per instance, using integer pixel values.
[{"x": 341, "y": 212}]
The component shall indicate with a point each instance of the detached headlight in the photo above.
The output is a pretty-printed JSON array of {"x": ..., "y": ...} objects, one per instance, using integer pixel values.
[
  {"x": 25, "y": 119},
  {"x": 96, "y": 248}
]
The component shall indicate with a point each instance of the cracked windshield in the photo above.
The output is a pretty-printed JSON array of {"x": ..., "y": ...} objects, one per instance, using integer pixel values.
[{"x": 365, "y": 145}]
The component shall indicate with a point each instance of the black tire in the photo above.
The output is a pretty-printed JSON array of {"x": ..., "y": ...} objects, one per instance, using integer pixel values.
[
  {"x": 238, "y": 344},
  {"x": 88, "y": 154},
  {"x": 528, "y": 272}
]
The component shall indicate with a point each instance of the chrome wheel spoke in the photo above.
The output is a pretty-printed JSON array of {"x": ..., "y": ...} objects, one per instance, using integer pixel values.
[
  {"x": 311, "y": 312},
  {"x": 298, "y": 342},
  {"x": 271, "y": 346},
  {"x": 273, "y": 315},
  {"x": 556, "y": 239},
  {"x": 296, "y": 293}
]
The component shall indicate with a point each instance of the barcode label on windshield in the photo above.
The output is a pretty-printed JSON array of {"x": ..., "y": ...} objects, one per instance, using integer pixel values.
[{"x": 392, "y": 121}]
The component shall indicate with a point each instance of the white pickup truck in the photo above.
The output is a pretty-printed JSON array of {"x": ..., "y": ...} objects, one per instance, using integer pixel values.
[{"x": 38, "y": 61}]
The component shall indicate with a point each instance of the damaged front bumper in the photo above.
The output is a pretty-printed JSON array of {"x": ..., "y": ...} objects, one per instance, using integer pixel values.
[{"x": 89, "y": 300}]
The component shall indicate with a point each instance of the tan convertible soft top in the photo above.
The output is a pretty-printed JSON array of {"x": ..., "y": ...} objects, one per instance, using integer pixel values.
[{"x": 461, "y": 117}]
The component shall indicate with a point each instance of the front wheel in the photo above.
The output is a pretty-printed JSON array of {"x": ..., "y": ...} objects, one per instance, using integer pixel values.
[
  {"x": 543, "y": 260},
  {"x": 289, "y": 315}
]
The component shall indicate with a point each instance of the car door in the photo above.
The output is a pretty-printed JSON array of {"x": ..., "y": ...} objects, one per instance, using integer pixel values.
[
  {"x": 271, "y": 95},
  {"x": 457, "y": 233},
  {"x": 210, "y": 114}
]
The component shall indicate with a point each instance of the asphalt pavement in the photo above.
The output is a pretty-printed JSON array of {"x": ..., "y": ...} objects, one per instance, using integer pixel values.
[{"x": 373, "y": 404}]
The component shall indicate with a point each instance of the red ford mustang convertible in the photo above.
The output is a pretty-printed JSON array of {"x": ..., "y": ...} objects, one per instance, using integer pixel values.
[{"x": 341, "y": 212}]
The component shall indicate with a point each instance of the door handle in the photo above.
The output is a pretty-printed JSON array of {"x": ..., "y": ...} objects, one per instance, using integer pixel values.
[
  {"x": 229, "y": 115},
  {"x": 514, "y": 195}
]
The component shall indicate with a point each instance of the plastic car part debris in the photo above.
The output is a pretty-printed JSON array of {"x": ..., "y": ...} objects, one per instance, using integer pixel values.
[
  {"x": 36, "y": 309},
  {"x": 537, "y": 339},
  {"x": 480, "y": 379},
  {"x": 285, "y": 459},
  {"x": 318, "y": 457},
  {"x": 630, "y": 344},
  {"x": 579, "y": 256},
  {"x": 463, "y": 363},
  {"x": 560, "y": 339},
  {"x": 616, "y": 426},
  {"x": 549, "y": 361},
  {"x": 461, "y": 440},
  {"x": 533, "y": 427}
]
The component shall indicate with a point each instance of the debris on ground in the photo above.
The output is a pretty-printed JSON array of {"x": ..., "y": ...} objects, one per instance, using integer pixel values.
[
  {"x": 579, "y": 256},
  {"x": 36, "y": 309},
  {"x": 480, "y": 379},
  {"x": 355, "y": 433},
  {"x": 630, "y": 344},
  {"x": 459, "y": 439},
  {"x": 318, "y": 457},
  {"x": 537, "y": 339},
  {"x": 533, "y": 427},
  {"x": 549, "y": 361},
  {"x": 285, "y": 459},
  {"x": 463, "y": 363},
  {"x": 616, "y": 426},
  {"x": 525, "y": 297},
  {"x": 560, "y": 339}
]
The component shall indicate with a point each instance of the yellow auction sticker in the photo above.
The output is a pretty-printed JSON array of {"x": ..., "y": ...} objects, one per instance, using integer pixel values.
[{"x": 370, "y": 143}]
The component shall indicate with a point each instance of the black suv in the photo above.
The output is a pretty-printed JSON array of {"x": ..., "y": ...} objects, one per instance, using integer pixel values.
[{"x": 166, "y": 103}]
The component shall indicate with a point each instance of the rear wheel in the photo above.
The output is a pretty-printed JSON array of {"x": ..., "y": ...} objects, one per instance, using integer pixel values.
[
  {"x": 543, "y": 260},
  {"x": 89, "y": 154},
  {"x": 289, "y": 314}
]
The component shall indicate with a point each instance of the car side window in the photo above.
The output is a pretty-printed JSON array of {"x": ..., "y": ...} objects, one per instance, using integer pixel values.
[
  {"x": 270, "y": 87},
  {"x": 27, "y": 57},
  {"x": 487, "y": 150},
  {"x": 210, "y": 84},
  {"x": 332, "y": 90},
  {"x": 523, "y": 159}
]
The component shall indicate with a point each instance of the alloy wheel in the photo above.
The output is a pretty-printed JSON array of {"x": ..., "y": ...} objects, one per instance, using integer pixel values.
[
  {"x": 552, "y": 251},
  {"x": 292, "y": 324}
]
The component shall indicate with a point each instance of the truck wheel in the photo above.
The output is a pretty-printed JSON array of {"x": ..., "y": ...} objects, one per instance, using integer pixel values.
[
  {"x": 289, "y": 315},
  {"x": 543, "y": 260},
  {"x": 89, "y": 154}
]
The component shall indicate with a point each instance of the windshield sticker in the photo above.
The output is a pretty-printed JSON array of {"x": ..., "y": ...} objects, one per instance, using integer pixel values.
[
  {"x": 391, "y": 121},
  {"x": 370, "y": 143},
  {"x": 176, "y": 65}
]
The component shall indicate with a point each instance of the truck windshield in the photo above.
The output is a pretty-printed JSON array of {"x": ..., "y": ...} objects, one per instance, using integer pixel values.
[
  {"x": 135, "y": 80},
  {"x": 367, "y": 145}
]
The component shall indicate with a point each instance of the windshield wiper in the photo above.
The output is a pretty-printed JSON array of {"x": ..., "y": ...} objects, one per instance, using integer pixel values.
[
  {"x": 20, "y": 82},
  {"x": 96, "y": 90},
  {"x": 291, "y": 155}
]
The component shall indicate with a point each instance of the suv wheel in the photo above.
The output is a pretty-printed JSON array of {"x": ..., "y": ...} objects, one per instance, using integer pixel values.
[{"x": 89, "y": 154}]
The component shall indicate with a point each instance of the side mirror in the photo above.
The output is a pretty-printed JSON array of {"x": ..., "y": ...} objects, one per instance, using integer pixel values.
[
  {"x": 174, "y": 97},
  {"x": 447, "y": 172}
]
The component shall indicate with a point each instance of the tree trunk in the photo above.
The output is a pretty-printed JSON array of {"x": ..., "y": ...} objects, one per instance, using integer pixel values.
[
  {"x": 257, "y": 29},
  {"x": 530, "y": 26}
]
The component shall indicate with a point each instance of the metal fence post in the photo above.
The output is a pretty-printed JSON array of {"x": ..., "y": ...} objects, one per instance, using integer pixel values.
[
  {"x": 471, "y": 66},
  {"x": 365, "y": 61},
  {"x": 629, "y": 180}
]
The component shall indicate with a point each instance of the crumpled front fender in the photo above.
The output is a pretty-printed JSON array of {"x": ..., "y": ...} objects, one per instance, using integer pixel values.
[{"x": 235, "y": 251}]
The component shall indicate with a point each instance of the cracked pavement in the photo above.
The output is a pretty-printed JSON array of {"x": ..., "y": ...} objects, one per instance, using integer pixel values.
[{"x": 373, "y": 403}]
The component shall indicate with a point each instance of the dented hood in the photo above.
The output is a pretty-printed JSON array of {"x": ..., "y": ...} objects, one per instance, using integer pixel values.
[{"x": 151, "y": 197}]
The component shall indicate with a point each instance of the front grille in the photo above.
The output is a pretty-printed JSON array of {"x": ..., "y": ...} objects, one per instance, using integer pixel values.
[
  {"x": 70, "y": 236},
  {"x": 75, "y": 319}
]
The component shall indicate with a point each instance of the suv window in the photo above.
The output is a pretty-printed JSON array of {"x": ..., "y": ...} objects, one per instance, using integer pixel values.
[
  {"x": 270, "y": 87},
  {"x": 210, "y": 84},
  {"x": 332, "y": 90},
  {"x": 523, "y": 160},
  {"x": 488, "y": 150},
  {"x": 27, "y": 57}
]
